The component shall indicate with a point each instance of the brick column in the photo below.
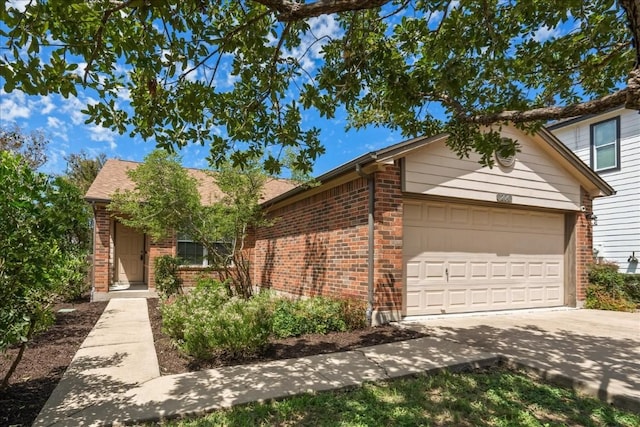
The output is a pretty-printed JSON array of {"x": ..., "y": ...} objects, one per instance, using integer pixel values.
[
  {"x": 388, "y": 243},
  {"x": 101, "y": 249},
  {"x": 157, "y": 249},
  {"x": 584, "y": 247}
]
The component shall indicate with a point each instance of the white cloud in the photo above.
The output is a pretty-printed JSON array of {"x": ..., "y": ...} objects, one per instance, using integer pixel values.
[
  {"x": 545, "y": 33},
  {"x": 73, "y": 106},
  {"x": 100, "y": 134},
  {"x": 13, "y": 106},
  {"x": 321, "y": 30},
  {"x": 54, "y": 123},
  {"x": 47, "y": 104},
  {"x": 20, "y": 5}
]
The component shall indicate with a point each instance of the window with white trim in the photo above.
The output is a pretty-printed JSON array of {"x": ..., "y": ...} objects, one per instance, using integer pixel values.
[
  {"x": 191, "y": 252},
  {"x": 605, "y": 145}
]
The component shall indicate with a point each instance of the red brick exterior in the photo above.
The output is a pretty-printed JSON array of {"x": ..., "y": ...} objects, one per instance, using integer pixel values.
[
  {"x": 584, "y": 246},
  {"x": 388, "y": 236},
  {"x": 102, "y": 258},
  {"x": 191, "y": 274},
  {"x": 319, "y": 245},
  {"x": 154, "y": 250}
]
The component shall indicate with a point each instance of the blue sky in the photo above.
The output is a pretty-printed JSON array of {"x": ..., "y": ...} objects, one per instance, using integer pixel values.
[{"x": 63, "y": 124}]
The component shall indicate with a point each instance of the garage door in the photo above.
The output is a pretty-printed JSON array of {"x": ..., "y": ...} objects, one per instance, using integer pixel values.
[{"x": 461, "y": 258}]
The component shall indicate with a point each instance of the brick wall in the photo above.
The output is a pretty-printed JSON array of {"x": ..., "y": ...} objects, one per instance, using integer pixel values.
[
  {"x": 154, "y": 250},
  {"x": 584, "y": 247},
  {"x": 388, "y": 240},
  {"x": 102, "y": 249},
  {"x": 319, "y": 245},
  {"x": 191, "y": 274}
]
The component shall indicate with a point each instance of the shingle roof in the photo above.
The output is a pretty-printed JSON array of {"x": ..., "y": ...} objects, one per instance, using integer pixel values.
[{"x": 113, "y": 176}]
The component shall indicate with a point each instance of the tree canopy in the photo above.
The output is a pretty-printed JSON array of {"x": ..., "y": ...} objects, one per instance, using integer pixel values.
[
  {"x": 241, "y": 75},
  {"x": 31, "y": 148},
  {"x": 83, "y": 169},
  {"x": 42, "y": 258}
]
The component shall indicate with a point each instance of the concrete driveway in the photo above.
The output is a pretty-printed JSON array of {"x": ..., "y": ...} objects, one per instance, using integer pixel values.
[{"x": 596, "y": 352}]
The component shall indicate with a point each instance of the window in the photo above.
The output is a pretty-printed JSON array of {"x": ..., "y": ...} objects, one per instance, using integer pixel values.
[
  {"x": 194, "y": 253},
  {"x": 605, "y": 145},
  {"x": 190, "y": 252}
]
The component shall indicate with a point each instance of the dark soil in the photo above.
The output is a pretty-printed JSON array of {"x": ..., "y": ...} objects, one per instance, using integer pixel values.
[
  {"x": 49, "y": 354},
  {"x": 44, "y": 362},
  {"x": 173, "y": 362}
]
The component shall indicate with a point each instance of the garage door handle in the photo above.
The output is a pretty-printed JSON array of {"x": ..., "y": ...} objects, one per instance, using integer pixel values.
[{"x": 446, "y": 272}]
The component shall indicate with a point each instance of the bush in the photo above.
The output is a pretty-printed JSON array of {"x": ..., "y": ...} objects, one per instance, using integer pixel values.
[
  {"x": 354, "y": 314},
  {"x": 77, "y": 284},
  {"x": 631, "y": 287},
  {"x": 600, "y": 298},
  {"x": 607, "y": 289},
  {"x": 606, "y": 275},
  {"x": 208, "y": 322},
  {"x": 318, "y": 315},
  {"x": 166, "y": 276}
]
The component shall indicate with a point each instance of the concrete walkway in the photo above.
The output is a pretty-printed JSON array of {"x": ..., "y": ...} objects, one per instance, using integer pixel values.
[{"x": 114, "y": 377}]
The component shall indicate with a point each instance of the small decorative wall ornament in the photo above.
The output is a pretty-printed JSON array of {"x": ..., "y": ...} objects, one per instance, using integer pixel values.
[{"x": 504, "y": 155}]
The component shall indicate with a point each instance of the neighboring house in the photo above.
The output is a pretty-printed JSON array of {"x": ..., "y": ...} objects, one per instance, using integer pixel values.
[
  {"x": 610, "y": 144},
  {"x": 415, "y": 230},
  {"x": 123, "y": 258}
]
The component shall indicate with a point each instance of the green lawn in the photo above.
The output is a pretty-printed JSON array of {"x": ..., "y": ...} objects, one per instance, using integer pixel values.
[{"x": 492, "y": 398}]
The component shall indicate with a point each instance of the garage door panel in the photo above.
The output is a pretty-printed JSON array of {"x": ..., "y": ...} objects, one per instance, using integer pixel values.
[{"x": 466, "y": 258}]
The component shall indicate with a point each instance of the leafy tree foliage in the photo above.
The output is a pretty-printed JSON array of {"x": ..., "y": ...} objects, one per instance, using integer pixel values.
[
  {"x": 166, "y": 201},
  {"x": 31, "y": 147},
  {"x": 82, "y": 169},
  {"x": 42, "y": 219},
  {"x": 252, "y": 68}
]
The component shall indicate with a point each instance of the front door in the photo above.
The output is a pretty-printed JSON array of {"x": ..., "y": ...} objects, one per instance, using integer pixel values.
[{"x": 129, "y": 254}]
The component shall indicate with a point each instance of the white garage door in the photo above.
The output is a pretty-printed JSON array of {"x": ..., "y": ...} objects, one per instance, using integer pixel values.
[{"x": 461, "y": 258}]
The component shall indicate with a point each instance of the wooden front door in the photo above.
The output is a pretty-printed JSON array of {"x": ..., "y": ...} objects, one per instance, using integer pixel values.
[{"x": 129, "y": 254}]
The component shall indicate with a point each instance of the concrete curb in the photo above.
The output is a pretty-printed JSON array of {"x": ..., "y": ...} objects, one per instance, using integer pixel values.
[{"x": 586, "y": 388}]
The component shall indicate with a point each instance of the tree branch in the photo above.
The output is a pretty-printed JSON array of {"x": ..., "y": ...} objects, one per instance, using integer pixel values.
[
  {"x": 98, "y": 36},
  {"x": 554, "y": 112},
  {"x": 288, "y": 10}
]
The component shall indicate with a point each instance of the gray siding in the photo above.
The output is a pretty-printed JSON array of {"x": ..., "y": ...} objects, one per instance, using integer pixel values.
[{"x": 617, "y": 234}]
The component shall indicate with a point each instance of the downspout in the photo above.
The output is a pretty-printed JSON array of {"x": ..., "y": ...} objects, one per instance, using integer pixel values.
[{"x": 371, "y": 241}]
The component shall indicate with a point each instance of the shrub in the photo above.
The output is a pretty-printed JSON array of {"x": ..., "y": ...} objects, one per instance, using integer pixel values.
[
  {"x": 631, "y": 287},
  {"x": 606, "y": 275},
  {"x": 166, "y": 276},
  {"x": 178, "y": 311},
  {"x": 318, "y": 315},
  {"x": 600, "y": 298},
  {"x": 77, "y": 283},
  {"x": 354, "y": 314},
  {"x": 607, "y": 289},
  {"x": 208, "y": 321}
]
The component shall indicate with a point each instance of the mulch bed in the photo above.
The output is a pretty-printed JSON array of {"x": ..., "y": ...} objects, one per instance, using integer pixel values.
[
  {"x": 44, "y": 362},
  {"x": 171, "y": 361},
  {"x": 49, "y": 354}
]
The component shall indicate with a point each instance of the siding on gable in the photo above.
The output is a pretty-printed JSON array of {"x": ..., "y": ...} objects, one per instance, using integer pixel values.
[
  {"x": 617, "y": 234},
  {"x": 534, "y": 180}
]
